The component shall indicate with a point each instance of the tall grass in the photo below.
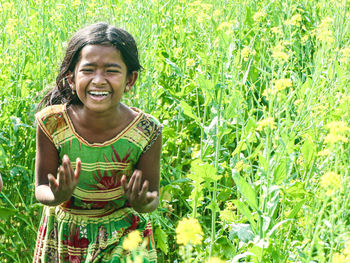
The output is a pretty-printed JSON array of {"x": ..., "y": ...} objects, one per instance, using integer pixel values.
[{"x": 255, "y": 104}]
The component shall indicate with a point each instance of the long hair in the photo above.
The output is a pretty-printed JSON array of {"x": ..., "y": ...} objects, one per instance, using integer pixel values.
[{"x": 95, "y": 34}]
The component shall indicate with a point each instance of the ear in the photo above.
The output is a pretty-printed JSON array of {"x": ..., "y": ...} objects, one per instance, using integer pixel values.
[
  {"x": 130, "y": 80},
  {"x": 70, "y": 80}
]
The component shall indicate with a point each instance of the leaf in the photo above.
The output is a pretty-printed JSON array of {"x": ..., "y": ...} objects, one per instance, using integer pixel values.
[
  {"x": 161, "y": 238},
  {"x": 274, "y": 228},
  {"x": 2, "y": 156},
  {"x": 244, "y": 210},
  {"x": 280, "y": 172},
  {"x": 7, "y": 212},
  {"x": 296, "y": 209},
  {"x": 262, "y": 162},
  {"x": 246, "y": 190},
  {"x": 239, "y": 147},
  {"x": 245, "y": 76},
  {"x": 242, "y": 231},
  {"x": 296, "y": 190},
  {"x": 188, "y": 111},
  {"x": 175, "y": 67},
  {"x": 308, "y": 151},
  {"x": 213, "y": 206},
  {"x": 266, "y": 222},
  {"x": 205, "y": 171},
  {"x": 256, "y": 151},
  {"x": 224, "y": 247}
]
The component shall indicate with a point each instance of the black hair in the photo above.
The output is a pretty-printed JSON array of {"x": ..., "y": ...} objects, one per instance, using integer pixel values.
[{"x": 95, "y": 34}]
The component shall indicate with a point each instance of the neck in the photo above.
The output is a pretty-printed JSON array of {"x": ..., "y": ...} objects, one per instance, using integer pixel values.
[{"x": 99, "y": 121}]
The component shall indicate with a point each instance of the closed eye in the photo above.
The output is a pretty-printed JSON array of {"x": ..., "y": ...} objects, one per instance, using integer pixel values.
[
  {"x": 86, "y": 70},
  {"x": 113, "y": 71}
]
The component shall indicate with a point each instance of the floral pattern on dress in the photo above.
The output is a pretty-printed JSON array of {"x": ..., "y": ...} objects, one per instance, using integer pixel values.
[{"x": 77, "y": 244}]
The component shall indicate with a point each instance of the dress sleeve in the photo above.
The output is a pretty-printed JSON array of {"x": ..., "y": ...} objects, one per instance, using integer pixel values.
[
  {"x": 50, "y": 120},
  {"x": 156, "y": 127}
]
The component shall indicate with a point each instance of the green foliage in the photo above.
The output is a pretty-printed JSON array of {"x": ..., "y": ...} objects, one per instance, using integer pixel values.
[{"x": 244, "y": 89}]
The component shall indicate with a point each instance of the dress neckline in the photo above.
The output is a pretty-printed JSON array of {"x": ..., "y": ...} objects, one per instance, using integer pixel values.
[{"x": 108, "y": 142}]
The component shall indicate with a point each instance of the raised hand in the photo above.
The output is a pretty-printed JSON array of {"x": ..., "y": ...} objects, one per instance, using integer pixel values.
[
  {"x": 67, "y": 179},
  {"x": 139, "y": 197}
]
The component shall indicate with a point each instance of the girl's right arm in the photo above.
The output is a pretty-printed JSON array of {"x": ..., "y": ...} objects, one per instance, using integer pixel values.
[{"x": 54, "y": 184}]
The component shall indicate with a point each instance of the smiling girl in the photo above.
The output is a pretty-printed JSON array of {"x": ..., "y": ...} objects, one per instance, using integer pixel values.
[{"x": 97, "y": 160}]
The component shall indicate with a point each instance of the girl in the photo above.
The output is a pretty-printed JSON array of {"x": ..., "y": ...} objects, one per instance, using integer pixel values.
[{"x": 97, "y": 160}]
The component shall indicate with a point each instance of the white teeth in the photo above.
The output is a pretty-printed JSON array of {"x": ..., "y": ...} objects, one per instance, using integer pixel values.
[{"x": 99, "y": 93}]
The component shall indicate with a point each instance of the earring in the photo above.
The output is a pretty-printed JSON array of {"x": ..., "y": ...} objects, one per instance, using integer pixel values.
[{"x": 73, "y": 91}]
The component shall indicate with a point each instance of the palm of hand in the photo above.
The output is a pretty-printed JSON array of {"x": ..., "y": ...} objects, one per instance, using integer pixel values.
[
  {"x": 138, "y": 199},
  {"x": 67, "y": 180}
]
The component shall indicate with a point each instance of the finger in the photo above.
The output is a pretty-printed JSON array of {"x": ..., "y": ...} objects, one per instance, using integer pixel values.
[
  {"x": 123, "y": 182},
  {"x": 52, "y": 182},
  {"x": 68, "y": 170},
  {"x": 150, "y": 196},
  {"x": 60, "y": 176},
  {"x": 137, "y": 183},
  {"x": 77, "y": 169},
  {"x": 144, "y": 190},
  {"x": 131, "y": 181}
]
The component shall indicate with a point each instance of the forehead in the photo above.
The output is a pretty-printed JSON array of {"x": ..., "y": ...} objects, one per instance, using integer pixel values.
[{"x": 100, "y": 54}]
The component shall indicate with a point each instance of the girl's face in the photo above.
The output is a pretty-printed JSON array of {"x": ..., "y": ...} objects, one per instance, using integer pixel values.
[{"x": 100, "y": 78}]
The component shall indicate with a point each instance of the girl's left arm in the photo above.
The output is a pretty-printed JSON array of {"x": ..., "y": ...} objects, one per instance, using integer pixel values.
[{"x": 142, "y": 190}]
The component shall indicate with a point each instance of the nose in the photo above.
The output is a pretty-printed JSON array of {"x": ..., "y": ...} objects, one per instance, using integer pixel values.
[{"x": 99, "y": 79}]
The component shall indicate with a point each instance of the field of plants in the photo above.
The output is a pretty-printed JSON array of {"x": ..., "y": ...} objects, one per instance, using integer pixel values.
[{"x": 255, "y": 101}]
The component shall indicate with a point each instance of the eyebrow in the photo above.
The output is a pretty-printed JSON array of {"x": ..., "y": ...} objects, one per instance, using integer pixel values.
[{"x": 109, "y": 65}]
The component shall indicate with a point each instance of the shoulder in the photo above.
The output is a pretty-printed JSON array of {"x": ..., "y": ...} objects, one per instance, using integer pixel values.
[
  {"x": 150, "y": 127},
  {"x": 148, "y": 124},
  {"x": 50, "y": 112},
  {"x": 51, "y": 119}
]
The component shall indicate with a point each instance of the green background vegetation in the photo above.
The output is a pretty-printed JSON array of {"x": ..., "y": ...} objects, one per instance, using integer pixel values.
[{"x": 254, "y": 98}]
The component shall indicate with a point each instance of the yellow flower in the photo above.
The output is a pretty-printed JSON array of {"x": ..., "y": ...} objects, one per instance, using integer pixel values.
[
  {"x": 337, "y": 132},
  {"x": 246, "y": 52},
  {"x": 345, "y": 54},
  {"x": 217, "y": 13},
  {"x": 276, "y": 30},
  {"x": 338, "y": 258},
  {"x": 279, "y": 54},
  {"x": 298, "y": 102},
  {"x": 214, "y": 260},
  {"x": 259, "y": 16},
  {"x": 75, "y": 3},
  {"x": 228, "y": 213},
  {"x": 278, "y": 86},
  {"x": 323, "y": 31},
  {"x": 190, "y": 62},
  {"x": 294, "y": 20},
  {"x": 304, "y": 39},
  {"x": 189, "y": 231},
  {"x": 347, "y": 249},
  {"x": 324, "y": 152},
  {"x": 268, "y": 122},
  {"x": 330, "y": 182},
  {"x": 338, "y": 127},
  {"x": 224, "y": 26},
  {"x": 334, "y": 138},
  {"x": 132, "y": 240},
  {"x": 239, "y": 166},
  {"x": 281, "y": 84}
]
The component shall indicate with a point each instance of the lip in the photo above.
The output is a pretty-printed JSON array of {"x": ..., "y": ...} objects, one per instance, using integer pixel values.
[{"x": 96, "y": 97}]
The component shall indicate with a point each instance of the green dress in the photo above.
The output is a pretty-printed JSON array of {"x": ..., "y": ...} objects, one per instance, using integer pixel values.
[{"x": 92, "y": 225}]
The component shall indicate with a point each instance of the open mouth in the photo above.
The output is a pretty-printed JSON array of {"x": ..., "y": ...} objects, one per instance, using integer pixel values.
[{"x": 99, "y": 93}]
